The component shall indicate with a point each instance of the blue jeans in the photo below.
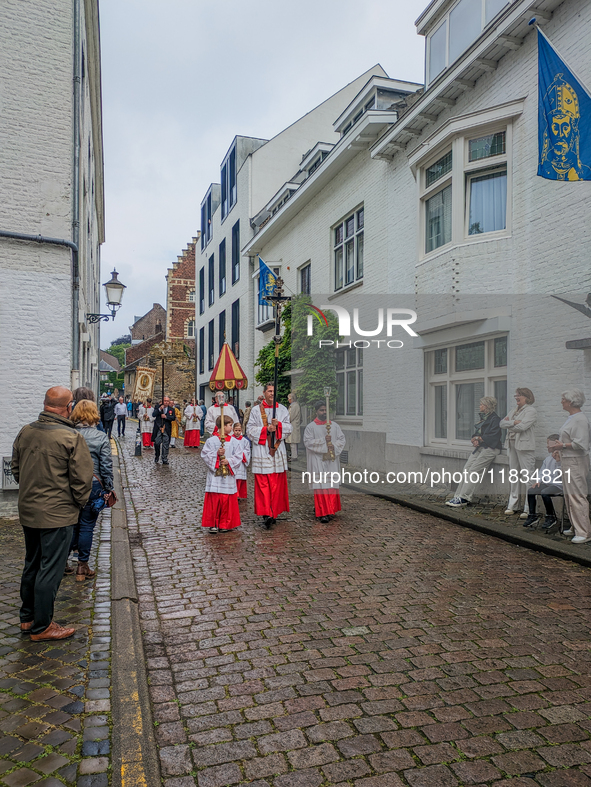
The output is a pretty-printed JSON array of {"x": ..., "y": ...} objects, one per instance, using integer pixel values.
[{"x": 84, "y": 528}]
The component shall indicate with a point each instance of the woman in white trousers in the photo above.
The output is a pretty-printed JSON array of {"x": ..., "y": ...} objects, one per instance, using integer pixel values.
[{"x": 521, "y": 447}]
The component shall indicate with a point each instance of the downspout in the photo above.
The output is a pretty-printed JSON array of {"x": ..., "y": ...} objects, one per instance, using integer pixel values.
[{"x": 77, "y": 80}]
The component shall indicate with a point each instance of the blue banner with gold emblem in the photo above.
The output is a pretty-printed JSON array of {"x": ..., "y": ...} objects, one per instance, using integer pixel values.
[
  {"x": 267, "y": 282},
  {"x": 564, "y": 118}
]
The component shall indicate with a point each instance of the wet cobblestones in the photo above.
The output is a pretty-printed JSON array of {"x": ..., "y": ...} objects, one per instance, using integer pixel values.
[
  {"x": 51, "y": 730},
  {"x": 387, "y": 648}
]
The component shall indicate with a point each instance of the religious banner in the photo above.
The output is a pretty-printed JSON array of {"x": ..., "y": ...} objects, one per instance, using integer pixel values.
[
  {"x": 564, "y": 118},
  {"x": 144, "y": 383}
]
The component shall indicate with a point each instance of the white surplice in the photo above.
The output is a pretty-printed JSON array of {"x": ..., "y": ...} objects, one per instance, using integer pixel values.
[
  {"x": 262, "y": 461},
  {"x": 190, "y": 411},
  {"x": 214, "y": 411},
  {"x": 145, "y": 425},
  {"x": 244, "y": 444},
  {"x": 315, "y": 442},
  {"x": 225, "y": 485}
]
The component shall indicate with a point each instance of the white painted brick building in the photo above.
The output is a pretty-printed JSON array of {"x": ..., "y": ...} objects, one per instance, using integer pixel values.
[
  {"x": 479, "y": 263},
  {"x": 50, "y": 84},
  {"x": 255, "y": 177}
]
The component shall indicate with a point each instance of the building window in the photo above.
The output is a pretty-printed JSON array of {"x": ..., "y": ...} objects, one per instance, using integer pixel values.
[
  {"x": 222, "y": 267},
  {"x": 210, "y": 344},
  {"x": 191, "y": 296},
  {"x": 306, "y": 279},
  {"x": 348, "y": 249},
  {"x": 264, "y": 310},
  {"x": 190, "y": 329},
  {"x": 228, "y": 178},
  {"x": 211, "y": 280},
  {"x": 202, "y": 290},
  {"x": 477, "y": 168},
  {"x": 206, "y": 221},
  {"x": 458, "y": 377},
  {"x": 459, "y": 28},
  {"x": 349, "y": 366},
  {"x": 236, "y": 328},
  {"x": 201, "y": 350},
  {"x": 222, "y": 330},
  {"x": 235, "y": 252}
]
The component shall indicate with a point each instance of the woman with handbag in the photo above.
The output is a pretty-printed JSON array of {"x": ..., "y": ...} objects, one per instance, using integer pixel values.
[{"x": 86, "y": 417}]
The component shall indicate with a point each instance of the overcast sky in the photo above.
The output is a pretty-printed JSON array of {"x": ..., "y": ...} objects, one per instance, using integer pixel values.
[{"x": 182, "y": 78}]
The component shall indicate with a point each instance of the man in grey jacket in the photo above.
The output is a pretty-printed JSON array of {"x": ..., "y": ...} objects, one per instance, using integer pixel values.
[{"x": 52, "y": 464}]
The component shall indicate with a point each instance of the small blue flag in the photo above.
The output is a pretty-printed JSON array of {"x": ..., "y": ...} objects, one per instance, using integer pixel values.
[
  {"x": 267, "y": 282},
  {"x": 564, "y": 118}
]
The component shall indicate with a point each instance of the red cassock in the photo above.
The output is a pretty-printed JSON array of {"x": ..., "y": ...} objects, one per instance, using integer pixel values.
[
  {"x": 327, "y": 501},
  {"x": 271, "y": 495},
  {"x": 242, "y": 490},
  {"x": 147, "y": 439},
  {"x": 192, "y": 438},
  {"x": 220, "y": 510}
]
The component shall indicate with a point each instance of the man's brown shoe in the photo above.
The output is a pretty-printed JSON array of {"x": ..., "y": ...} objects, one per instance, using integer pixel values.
[
  {"x": 25, "y": 627},
  {"x": 84, "y": 572},
  {"x": 53, "y": 631}
]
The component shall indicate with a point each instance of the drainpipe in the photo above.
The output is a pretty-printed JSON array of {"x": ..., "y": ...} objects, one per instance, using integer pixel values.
[{"x": 77, "y": 83}]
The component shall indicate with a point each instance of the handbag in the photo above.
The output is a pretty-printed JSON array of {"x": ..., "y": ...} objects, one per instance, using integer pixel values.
[{"x": 110, "y": 498}]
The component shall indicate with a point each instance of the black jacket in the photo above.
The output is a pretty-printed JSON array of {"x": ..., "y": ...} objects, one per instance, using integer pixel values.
[
  {"x": 108, "y": 410},
  {"x": 489, "y": 431},
  {"x": 163, "y": 419}
]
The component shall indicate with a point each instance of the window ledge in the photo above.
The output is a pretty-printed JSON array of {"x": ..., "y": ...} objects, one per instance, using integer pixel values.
[
  {"x": 489, "y": 236},
  {"x": 266, "y": 326},
  {"x": 348, "y": 420},
  {"x": 456, "y": 453},
  {"x": 348, "y": 288}
]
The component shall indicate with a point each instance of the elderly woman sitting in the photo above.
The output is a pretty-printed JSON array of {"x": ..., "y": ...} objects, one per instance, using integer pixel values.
[
  {"x": 487, "y": 445},
  {"x": 572, "y": 450}
]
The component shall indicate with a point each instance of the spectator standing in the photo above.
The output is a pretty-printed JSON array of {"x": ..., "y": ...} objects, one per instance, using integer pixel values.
[
  {"x": 164, "y": 415},
  {"x": 129, "y": 408},
  {"x": 52, "y": 464},
  {"x": 295, "y": 417},
  {"x": 121, "y": 413},
  {"x": 246, "y": 416},
  {"x": 204, "y": 412},
  {"x": 572, "y": 449},
  {"x": 85, "y": 417},
  {"x": 521, "y": 446},
  {"x": 81, "y": 394},
  {"x": 108, "y": 414}
]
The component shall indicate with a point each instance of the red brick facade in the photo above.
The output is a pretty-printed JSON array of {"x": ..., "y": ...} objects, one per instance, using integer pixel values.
[
  {"x": 181, "y": 296},
  {"x": 150, "y": 324}
]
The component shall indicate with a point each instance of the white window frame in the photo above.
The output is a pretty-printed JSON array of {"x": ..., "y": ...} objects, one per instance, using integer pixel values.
[
  {"x": 191, "y": 296},
  {"x": 357, "y": 232},
  {"x": 301, "y": 269},
  {"x": 357, "y": 369},
  {"x": 188, "y": 334},
  {"x": 445, "y": 20},
  {"x": 460, "y": 175},
  {"x": 488, "y": 376}
]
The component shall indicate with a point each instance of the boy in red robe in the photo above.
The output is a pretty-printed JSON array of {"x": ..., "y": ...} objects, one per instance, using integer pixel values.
[
  {"x": 241, "y": 472},
  {"x": 220, "y": 507}
]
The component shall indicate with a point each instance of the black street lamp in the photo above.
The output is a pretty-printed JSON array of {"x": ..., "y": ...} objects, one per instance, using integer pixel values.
[{"x": 114, "y": 290}]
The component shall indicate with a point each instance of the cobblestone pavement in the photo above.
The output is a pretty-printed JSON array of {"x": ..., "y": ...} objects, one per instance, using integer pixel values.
[
  {"x": 54, "y": 697},
  {"x": 388, "y": 648}
]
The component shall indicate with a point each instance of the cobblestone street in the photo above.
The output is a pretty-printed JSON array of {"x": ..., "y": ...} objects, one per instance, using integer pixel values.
[{"x": 387, "y": 648}]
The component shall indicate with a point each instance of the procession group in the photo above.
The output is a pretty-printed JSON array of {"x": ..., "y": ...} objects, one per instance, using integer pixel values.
[{"x": 259, "y": 440}]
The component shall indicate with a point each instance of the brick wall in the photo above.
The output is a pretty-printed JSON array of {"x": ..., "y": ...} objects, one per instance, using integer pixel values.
[
  {"x": 180, "y": 284},
  {"x": 150, "y": 324}
]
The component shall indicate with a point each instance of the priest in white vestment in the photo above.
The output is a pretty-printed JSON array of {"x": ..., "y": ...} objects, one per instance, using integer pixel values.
[
  {"x": 319, "y": 441},
  {"x": 214, "y": 411},
  {"x": 269, "y": 457}
]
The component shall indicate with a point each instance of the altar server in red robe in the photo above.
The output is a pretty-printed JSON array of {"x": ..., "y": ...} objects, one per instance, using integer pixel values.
[
  {"x": 269, "y": 457},
  {"x": 241, "y": 472},
  {"x": 322, "y": 445},
  {"x": 220, "y": 507}
]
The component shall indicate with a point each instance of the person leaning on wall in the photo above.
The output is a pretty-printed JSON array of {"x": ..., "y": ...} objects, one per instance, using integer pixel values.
[
  {"x": 572, "y": 451},
  {"x": 521, "y": 447}
]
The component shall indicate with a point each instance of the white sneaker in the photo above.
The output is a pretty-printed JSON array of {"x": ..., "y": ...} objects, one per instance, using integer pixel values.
[
  {"x": 510, "y": 511},
  {"x": 580, "y": 540},
  {"x": 524, "y": 515},
  {"x": 568, "y": 532},
  {"x": 456, "y": 502}
]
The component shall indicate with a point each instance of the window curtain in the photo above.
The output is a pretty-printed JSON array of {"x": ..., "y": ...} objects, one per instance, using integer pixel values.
[{"x": 488, "y": 203}]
